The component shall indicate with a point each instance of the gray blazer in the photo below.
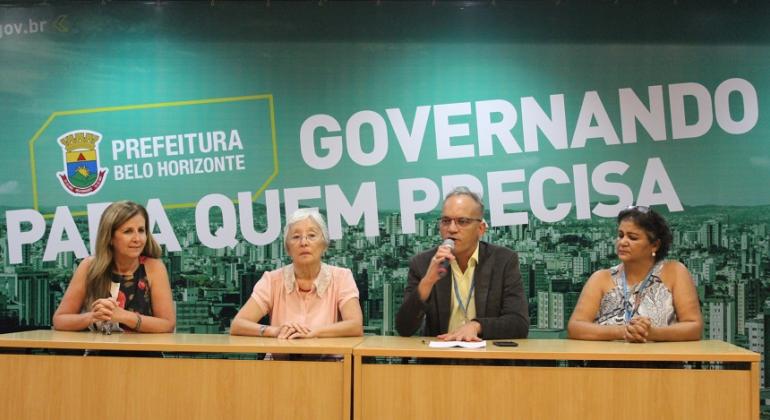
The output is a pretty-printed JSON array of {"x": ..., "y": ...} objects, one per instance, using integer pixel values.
[{"x": 501, "y": 306}]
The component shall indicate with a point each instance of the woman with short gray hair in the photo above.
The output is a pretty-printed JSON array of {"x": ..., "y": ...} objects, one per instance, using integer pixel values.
[{"x": 306, "y": 298}]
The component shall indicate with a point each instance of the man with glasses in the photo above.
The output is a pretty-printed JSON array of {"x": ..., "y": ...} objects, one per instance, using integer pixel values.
[{"x": 478, "y": 296}]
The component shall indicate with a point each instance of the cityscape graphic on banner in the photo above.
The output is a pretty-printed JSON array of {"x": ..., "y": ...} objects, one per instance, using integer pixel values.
[{"x": 726, "y": 250}]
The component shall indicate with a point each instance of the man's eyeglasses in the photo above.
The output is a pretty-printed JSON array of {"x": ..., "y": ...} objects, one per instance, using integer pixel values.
[
  {"x": 459, "y": 221},
  {"x": 310, "y": 237}
]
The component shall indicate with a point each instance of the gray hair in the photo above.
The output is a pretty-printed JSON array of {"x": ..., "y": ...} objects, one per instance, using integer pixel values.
[
  {"x": 468, "y": 193},
  {"x": 300, "y": 215}
]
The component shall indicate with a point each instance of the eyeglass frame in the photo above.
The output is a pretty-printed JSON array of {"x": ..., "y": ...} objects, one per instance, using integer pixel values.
[
  {"x": 296, "y": 239},
  {"x": 461, "y": 222}
]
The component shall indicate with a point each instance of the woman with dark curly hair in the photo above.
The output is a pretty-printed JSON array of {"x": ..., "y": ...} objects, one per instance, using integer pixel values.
[{"x": 645, "y": 297}]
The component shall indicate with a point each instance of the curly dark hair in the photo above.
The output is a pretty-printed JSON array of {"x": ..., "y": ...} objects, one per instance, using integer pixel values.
[{"x": 653, "y": 224}]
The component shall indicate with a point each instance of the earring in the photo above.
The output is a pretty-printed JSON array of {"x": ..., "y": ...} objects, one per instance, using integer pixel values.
[{"x": 653, "y": 253}]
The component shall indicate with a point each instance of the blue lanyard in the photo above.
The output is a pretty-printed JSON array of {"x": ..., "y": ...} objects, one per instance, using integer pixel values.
[
  {"x": 464, "y": 307},
  {"x": 631, "y": 309}
]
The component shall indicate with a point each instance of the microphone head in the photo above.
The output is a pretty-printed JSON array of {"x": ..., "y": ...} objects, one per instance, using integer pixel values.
[{"x": 449, "y": 243}]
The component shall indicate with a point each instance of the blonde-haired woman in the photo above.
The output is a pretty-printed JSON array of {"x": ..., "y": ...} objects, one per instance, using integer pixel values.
[{"x": 126, "y": 255}]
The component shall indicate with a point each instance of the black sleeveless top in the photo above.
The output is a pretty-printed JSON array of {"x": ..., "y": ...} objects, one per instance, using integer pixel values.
[{"x": 134, "y": 293}]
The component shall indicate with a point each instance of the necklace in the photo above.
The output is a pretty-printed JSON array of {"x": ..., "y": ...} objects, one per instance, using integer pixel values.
[
  {"x": 306, "y": 278},
  {"x": 127, "y": 273}
]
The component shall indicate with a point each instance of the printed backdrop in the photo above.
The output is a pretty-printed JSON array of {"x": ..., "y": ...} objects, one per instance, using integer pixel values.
[{"x": 221, "y": 117}]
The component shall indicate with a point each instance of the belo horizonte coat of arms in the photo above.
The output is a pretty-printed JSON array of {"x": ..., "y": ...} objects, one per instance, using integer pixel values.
[{"x": 82, "y": 175}]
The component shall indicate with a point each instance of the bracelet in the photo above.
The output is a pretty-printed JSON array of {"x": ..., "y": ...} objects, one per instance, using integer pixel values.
[
  {"x": 138, "y": 322},
  {"x": 262, "y": 329}
]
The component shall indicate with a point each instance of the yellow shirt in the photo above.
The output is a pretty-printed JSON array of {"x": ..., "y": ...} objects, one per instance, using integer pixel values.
[{"x": 463, "y": 281}]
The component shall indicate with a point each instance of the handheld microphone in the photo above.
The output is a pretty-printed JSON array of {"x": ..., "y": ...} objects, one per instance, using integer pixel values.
[{"x": 449, "y": 243}]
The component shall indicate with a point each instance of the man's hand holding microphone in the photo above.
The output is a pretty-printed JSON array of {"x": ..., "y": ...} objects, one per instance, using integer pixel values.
[{"x": 439, "y": 266}]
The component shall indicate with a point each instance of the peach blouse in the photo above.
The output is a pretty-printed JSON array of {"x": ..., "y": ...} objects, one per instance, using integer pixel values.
[{"x": 277, "y": 294}]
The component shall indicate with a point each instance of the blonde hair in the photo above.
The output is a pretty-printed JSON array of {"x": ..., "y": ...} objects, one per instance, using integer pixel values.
[{"x": 99, "y": 273}]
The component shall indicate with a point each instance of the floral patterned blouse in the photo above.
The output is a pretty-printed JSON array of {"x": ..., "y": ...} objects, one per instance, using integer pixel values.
[
  {"x": 655, "y": 301},
  {"x": 134, "y": 294}
]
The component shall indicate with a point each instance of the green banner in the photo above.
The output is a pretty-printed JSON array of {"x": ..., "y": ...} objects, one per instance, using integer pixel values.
[{"x": 222, "y": 117}]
